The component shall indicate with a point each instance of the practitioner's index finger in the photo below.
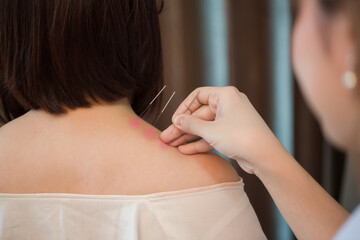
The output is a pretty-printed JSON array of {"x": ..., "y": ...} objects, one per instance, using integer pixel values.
[
  {"x": 187, "y": 108},
  {"x": 196, "y": 99}
]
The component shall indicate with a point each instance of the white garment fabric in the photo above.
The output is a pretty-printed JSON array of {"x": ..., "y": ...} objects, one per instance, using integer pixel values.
[
  {"x": 351, "y": 228},
  {"x": 220, "y": 211}
]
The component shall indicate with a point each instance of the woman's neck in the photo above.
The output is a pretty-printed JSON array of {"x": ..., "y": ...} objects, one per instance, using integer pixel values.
[{"x": 118, "y": 113}]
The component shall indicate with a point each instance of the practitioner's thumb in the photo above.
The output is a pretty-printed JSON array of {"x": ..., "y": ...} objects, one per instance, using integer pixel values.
[{"x": 191, "y": 124}]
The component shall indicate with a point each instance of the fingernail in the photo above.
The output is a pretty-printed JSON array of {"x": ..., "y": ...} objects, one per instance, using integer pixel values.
[{"x": 179, "y": 120}]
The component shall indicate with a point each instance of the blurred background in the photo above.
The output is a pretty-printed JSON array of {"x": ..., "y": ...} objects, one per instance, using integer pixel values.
[{"x": 247, "y": 44}]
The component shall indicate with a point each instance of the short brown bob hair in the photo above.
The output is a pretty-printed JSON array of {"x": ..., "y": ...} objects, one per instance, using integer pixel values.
[{"x": 60, "y": 53}]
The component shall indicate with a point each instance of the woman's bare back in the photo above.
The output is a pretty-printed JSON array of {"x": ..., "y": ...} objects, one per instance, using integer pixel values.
[{"x": 44, "y": 153}]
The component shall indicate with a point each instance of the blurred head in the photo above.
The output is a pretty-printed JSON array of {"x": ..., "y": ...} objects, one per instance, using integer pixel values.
[
  {"x": 325, "y": 45},
  {"x": 60, "y": 54}
]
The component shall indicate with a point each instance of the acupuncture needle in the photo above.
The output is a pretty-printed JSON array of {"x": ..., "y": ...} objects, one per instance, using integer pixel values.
[
  {"x": 191, "y": 102},
  {"x": 164, "y": 108},
  {"x": 152, "y": 101}
]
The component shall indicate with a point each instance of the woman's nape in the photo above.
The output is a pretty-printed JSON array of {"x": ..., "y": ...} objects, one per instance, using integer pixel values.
[{"x": 105, "y": 149}]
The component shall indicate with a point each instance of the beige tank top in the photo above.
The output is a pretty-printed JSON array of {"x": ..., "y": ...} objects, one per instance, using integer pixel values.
[{"x": 220, "y": 212}]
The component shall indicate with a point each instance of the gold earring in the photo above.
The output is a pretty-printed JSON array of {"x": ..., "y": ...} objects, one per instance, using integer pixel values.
[{"x": 349, "y": 79}]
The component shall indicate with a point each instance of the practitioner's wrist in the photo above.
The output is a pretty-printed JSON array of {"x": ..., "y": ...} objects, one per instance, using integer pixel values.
[
  {"x": 274, "y": 163},
  {"x": 264, "y": 156}
]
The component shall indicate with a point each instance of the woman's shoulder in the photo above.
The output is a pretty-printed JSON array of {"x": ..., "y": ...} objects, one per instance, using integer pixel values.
[
  {"x": 135, "y": 165},
  {"x": 198, "y": 170},
  {"x": 13, "y": 134},
  {"x": 214, "y": 168},
  {"x": 9, "y": 133}
]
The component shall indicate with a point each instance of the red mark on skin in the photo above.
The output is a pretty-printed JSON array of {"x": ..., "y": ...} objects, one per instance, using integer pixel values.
[
  {"x": 135, "y": 123},
  {"x": 149, "y": 133},
  {"x": 163, "y": 145}
]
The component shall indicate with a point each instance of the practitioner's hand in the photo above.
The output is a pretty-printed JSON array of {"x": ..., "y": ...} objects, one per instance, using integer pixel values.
[{"x": 225, "y": 120}]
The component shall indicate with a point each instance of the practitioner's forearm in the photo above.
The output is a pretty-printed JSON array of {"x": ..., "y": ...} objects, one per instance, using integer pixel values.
[{"x": 308, "y": 209}]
